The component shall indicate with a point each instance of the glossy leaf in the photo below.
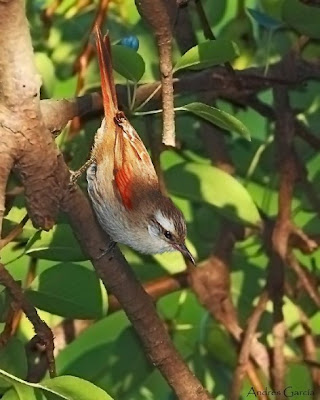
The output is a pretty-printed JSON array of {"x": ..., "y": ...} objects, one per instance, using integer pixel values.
[
  {"x": 305, "y": 19},
  {"x": 204, "y": 183},
  {"x": 65, "y": 387},
  {"x": 217, "y": 117},
  {"x": 208, "y": 54},
  {"x": 69, "y": 290},
  {"x": 73, "y": 388},
  {"x": 128, "y": 63},
  {"x": 59, "y": 244},
  {"x": 264, "y": 19}
]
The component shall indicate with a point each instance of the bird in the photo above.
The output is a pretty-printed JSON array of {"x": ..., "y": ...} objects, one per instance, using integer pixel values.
[{"x": 121, "y": 179}]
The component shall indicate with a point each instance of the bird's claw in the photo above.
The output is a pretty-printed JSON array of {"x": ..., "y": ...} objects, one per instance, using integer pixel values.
[{"x": 110, "y": 247}]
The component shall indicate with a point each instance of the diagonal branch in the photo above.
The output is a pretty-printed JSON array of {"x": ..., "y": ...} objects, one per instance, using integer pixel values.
[{"x": 119, "y": 279}]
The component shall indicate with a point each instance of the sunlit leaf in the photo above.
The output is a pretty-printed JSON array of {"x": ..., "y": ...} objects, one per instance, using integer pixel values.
[
  {"x": 73, "y": 388},
  {"x": 204, "y": 183},
  {"x": 217, "y": 117},
  {"x": 46, "y": 69},
  {"x": 65, "y": 387},
  {"x": 207, "y": 54}
]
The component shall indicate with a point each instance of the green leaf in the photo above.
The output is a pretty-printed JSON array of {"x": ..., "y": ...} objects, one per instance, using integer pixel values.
[
  {"x": 208, "y": 54},
  {"x": 14, "y": 217},
  {"x": 73, "y": 388},
  {"x": 219, "y": 344},
  {"x": 65, "y": 387},
  {"x": 128, "y": 63},
  {"x": 305, "y": 19},
  {"x": 69, "y": 290},
  {"x": 217, "y": 117},
  {"x": 59, "y": 244},
  {"x": 46, "y": 69},
  {"x": 13, "y": 359},
  {"x": 204, "y": 183}
]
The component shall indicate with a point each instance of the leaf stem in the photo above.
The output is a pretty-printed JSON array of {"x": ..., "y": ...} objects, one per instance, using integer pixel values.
[
  {"x": 134, "y": 94},
  {"x": 128, "y": 94},
  {"x": 149, "y": 98},
  {"x": 141, "y": 113}
]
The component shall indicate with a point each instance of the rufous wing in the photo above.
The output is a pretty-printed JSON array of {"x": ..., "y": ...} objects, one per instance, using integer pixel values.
[
  {"x": 124, "y": 181},
  {"x": 132, "y": 164}
]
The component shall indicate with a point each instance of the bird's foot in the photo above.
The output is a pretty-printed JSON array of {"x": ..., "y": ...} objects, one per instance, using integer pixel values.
[
  {"x": 110, "y": 247},
  {"x": 75, "y": 175}
]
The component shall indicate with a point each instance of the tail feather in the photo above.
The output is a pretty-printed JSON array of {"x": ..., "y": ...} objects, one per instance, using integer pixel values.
[
  {"x": 110, "y": 103},
  {"x": 106, "y": 41}
]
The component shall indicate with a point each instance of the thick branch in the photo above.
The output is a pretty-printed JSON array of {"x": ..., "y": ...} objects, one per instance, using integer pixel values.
[
  {"x": 57, "y": 113},
  {"x": 6, "y": 157},
  {"x": 21, "y": 117}
]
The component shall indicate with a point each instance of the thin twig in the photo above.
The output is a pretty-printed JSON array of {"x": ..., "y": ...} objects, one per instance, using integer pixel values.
[
  {"x": 304, "y": 280},
  {"x": 15, "y": 232},
  {"x": 248, "y": 336}
]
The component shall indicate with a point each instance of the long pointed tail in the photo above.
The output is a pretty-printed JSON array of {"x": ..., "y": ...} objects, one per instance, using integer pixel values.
[{"x": 110, "y": 103}]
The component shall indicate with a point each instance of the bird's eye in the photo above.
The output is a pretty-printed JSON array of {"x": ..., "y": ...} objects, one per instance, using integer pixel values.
[{"x": 168, "y": 235}]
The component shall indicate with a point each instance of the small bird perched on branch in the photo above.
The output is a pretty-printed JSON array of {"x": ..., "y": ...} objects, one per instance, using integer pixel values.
[{"x": 122, "y": 182}]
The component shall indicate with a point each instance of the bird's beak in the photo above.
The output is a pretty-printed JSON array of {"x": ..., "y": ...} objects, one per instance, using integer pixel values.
[{"x": 184, "y": 250}]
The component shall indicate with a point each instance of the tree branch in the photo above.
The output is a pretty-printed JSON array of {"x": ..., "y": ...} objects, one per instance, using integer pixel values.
[
  {"x": 161, "y": 15},
  {"x": 119, "y": 279}
]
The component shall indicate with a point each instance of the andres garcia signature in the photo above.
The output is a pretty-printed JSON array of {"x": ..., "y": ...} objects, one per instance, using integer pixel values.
[{"x": 289, "y": 392}]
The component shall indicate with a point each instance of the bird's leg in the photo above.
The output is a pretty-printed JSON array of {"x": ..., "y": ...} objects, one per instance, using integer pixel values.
[
  {"x": 109, "y": 248},
  {"x": 75, "y": 175}
]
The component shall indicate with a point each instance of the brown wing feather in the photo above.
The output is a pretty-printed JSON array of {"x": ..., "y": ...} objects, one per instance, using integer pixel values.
[{"x": 131, "y": 155}]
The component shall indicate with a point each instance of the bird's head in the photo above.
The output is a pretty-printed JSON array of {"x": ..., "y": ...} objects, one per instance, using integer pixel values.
[{"x": 167, "y": 229}]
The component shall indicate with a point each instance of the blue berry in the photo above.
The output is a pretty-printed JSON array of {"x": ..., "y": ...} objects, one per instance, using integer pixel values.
[{"x": 130, "y": 41}]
